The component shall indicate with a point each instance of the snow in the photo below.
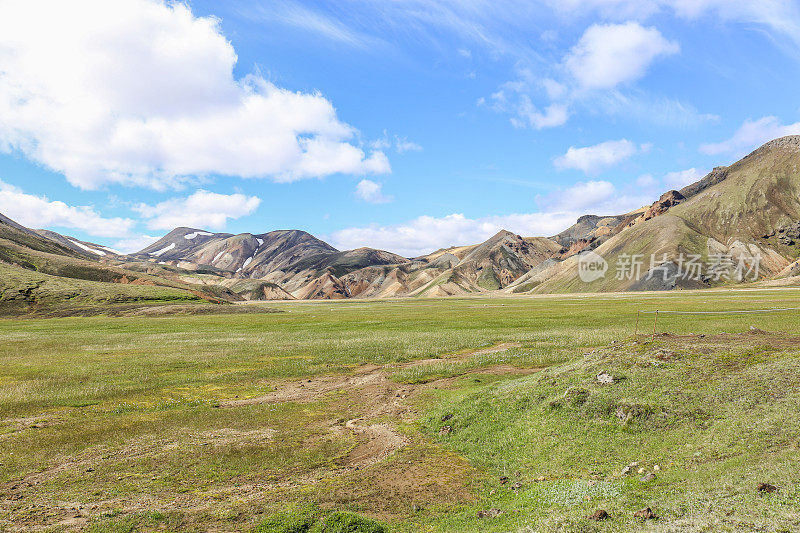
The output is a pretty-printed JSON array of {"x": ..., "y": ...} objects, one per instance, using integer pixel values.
[
  {"x": 163, "y": 250},
  {"x": 191, "y": 236},
  {"x": 81, "y": 245},
  {"x": 218, "y": 256},
  {"x": 260, "y": 241},
  {"x": 113, "y": 251},
  {"x": 249, "y": 260}
]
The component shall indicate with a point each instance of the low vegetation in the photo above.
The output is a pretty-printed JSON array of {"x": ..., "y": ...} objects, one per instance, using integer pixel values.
[{"x": 474, "y": 414}]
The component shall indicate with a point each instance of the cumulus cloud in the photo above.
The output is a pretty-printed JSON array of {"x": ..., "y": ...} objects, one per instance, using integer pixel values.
[
  {"x": 39, "y": 212},
  {"x": 426, "y": 234},
  {"x": 580, "y": 196},
  {"x": 514, "y": 97},
  {"x": 134, "y": 244},
  {"x": 612, "y": 54},
  {"x": 372, "y": 192},
  {"x": 202, "y": 209},
  {"x": 605, "y": 57},
  {"x": 593, "y": 159},
  {"x": 142, "y": 92},
  {"x": 682, "y": 178},
  {"x": 780, "y": 17},
  {"x": 750, "y": 135}
]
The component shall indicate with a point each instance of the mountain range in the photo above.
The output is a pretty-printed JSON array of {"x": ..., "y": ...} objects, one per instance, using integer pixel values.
[{"x": 748, "y": 212}]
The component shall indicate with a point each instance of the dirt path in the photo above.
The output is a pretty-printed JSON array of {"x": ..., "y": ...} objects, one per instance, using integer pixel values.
[
  {"x": 373, "y": 384},
  {"x": 375, "y": 436}
]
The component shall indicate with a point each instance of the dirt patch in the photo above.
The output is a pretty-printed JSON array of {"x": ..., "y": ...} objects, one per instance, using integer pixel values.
[
  {"x": 315, "y": 388},
  {"x": 385, "y": 468},
  {"x": 378, "y": 441},
  {"x": 502, "y": 347}
]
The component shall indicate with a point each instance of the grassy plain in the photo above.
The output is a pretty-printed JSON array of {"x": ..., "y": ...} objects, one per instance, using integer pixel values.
[{"x": 406, "y": 412}]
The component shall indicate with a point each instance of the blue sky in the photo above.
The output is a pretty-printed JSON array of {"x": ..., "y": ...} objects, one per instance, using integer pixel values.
[{"x": 403, "y": 125}]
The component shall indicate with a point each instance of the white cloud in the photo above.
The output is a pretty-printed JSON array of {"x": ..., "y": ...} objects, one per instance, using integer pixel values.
[
  {"x": 514, "y": 97},
  {"x": 612, "y": 54},
  {"x": 682, "y": 178},
  {"x": 39, "y": 212},
  {"x": 780, "y": 16},
  {"x": 580, "y": 196},
  {"x": 593, "y": 159},
  {"x": 646, "y": 180},
  {"x": 614, "y": 9},
  {"x": 372, "y": 192},
  {"x": 141, "y": 92},
  {"x": 134, "y": 244},
  {"x": 403, "y": 145},
  {"x": 605, "y": 57},
  {"x": 425, "y": 234},
  {"x": 528, "y": 115},
  {"x": 400, "y": 144},
  {"x": 750, "y": 135},
  {"x": 203, "y": 209}
]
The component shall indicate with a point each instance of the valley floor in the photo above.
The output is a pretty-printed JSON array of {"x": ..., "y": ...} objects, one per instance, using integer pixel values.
[{"x": 473, "y": 414}]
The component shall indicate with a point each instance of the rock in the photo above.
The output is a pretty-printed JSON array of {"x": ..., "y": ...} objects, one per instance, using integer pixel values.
[
  {"x": 490, "y": 513},
  {"x": 645, "y": 514},
  {"x": 447, "y": 417},
  {"x": 627, "y": 469},
  {"x": 656, "y": 468},
  {"x": 503, "y": 480},
  {"x": 599, "y": 515},
  {"x": 604, "y": 378},
  {"x": 648, "y": 477},
  {"x": 540, "y": 478},
  {"x": 416, "y": 508},
  {"x": 516, "y": 486},
  {"x": 446, "y": 430},
  {"x": 766, "y": 487},
  {"x": 640, "y": 471}
]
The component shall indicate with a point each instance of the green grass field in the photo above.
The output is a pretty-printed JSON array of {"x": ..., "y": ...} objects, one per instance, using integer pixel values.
[{"x": 406, "y": 415}]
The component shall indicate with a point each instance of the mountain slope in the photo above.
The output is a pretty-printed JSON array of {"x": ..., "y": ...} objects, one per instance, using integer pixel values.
[
  {"x": 84, "y": 248},
  {"x": 741, "y": 210},
  {"x": 40, "y": 274},
  {"x": 246, "y": 255}
]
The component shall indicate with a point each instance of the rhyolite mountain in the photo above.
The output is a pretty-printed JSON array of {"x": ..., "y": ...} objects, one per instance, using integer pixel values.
[{"x": 748, "y": 209}]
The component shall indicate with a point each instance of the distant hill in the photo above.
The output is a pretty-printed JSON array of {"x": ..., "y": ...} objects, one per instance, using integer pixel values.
[{"x": 745, "y": 211}]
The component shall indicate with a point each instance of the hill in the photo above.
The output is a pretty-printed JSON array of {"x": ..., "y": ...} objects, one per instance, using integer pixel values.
[
  {"x": 744, "y": 213},
  {"x": 42, "y": 272}
]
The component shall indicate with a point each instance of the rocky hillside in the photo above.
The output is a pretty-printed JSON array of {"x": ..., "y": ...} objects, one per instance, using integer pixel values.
[
  {"x": 748, "y": 212},
  {"x": 744, "y": 214}
]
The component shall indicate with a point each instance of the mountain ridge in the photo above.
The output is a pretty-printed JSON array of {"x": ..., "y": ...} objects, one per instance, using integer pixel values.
[{"x": 746, "y": 209}]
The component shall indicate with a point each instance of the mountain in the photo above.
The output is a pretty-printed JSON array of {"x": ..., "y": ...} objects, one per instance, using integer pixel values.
[
  {"x": 747, "y": 210},
  {"x": 45, "y": 273},
  {"x": 84, "y": 248},
  {"x": 245, "y": 254},
  {"x": 491, "y": 265}
]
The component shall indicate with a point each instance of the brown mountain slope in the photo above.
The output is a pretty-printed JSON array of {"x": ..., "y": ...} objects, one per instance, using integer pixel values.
[{"x": 743, "y": 211}]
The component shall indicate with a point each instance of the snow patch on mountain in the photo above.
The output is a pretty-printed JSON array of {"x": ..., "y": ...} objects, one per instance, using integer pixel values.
[
  {"x": 163, "y": 250},
  {"x": 190, "y": 236},
  {"x": 87, "y": 248}
]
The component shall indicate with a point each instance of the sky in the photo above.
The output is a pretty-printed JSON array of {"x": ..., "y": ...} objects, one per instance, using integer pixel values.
[{"x": 406, "y": 125}]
